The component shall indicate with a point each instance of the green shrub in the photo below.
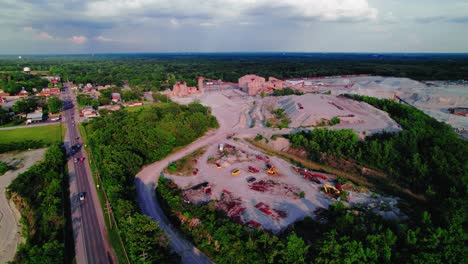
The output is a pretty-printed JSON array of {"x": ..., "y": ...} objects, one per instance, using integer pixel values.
[{"x": 335, "y": 120}]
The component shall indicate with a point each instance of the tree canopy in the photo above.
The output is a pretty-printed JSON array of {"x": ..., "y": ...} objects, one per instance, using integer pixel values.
[
  {"x": 122, "y": 142},
  {"x": 13, "y": 82},
  {"x": 55, "y": 105},
  {"x": 39, "y": 194}
]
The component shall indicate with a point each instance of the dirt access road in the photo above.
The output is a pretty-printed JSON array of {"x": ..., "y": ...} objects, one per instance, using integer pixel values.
[
  {"x": 9, "y": 215},
  {"x": 146, "y": 183}
]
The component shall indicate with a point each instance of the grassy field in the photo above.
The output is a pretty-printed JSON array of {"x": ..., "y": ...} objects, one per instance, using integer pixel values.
[
  {"x": 48, "y": 134},
  {"x": 185, "y": 165}
]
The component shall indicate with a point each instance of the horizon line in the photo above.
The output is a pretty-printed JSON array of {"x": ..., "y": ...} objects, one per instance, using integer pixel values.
[{"x": 233, "y": 52}]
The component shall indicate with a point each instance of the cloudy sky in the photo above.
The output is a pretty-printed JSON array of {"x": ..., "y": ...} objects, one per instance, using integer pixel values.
[{"x": 102, "y": 26}]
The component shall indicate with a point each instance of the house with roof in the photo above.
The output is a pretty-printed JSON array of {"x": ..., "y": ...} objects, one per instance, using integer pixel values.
[
  {"x": 50, "y": 91},
  {"x": 23, "y": 93},
  {"x": 116, "y": 97},
  {"x": 88, "y": 112}
]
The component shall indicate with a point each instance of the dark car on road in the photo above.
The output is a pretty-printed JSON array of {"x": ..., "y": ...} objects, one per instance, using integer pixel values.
[{"x": 82, "y": 196}]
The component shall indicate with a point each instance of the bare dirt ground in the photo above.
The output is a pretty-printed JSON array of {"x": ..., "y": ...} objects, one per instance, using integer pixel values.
[
  {"x": 9, "y": 215},
  {"x": 432, "y": 97},
  {"x": 272, "y": 200},
  {"x": 358, "y": 116}
]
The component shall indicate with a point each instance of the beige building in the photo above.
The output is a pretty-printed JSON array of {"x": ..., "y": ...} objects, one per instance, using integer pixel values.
[
  {"x": 253, "y": 84},
  {"x": 180, "y": 89}
]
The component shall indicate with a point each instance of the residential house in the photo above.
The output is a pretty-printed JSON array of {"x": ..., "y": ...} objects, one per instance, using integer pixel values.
[{"x": 116, "y": 97}]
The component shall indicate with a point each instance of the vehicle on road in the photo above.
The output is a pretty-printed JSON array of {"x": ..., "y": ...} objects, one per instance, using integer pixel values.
[
  {"x": 250, "y": 179},
  {"x": 75, "y": 160},
  {"x": 235, "y": 172},
  {"x": 82, "y": 196},
  {"x": 75, "y": 148}
]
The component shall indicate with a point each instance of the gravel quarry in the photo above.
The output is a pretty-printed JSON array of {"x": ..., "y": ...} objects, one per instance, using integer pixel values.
[
  {"x": 258, "y": 198},
  {"x": 276, "y": 201},
  {"x": 309, "y": 110},
  {"x": 432, "y": 97}
]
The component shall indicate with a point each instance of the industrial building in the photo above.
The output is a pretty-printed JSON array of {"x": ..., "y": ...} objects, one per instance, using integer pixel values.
[{"x": 34, "y": 118}]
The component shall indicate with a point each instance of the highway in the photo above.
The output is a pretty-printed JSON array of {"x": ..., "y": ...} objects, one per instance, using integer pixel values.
[{"x": 91, "y": 244}]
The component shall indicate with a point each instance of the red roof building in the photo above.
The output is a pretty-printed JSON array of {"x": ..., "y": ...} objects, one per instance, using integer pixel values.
[
  {"x": 23, "y": 93},
  {"x": 50, "y": 91}
]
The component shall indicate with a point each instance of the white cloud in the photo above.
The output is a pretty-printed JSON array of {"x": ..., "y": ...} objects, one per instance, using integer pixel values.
[
  {"x": 325, "y": 10},
  {"x": 78, "y": 39},
  {"x": 174, "y": 22},
  {"x": 44, "y": 36},
  {"x": 103, "y": 39}
]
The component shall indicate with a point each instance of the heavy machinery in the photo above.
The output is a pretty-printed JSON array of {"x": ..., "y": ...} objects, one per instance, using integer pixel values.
[
  {"x": 328, "y": 189},
  {"x": 272, "y": 170}
]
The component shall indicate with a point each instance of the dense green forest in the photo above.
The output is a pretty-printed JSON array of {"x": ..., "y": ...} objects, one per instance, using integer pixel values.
[
  {"x": 12, "y": 82},
  {"x": 149, "y": 71},
  {"x": 122, "y": 142},
  {"x": 41, "y": 195}
]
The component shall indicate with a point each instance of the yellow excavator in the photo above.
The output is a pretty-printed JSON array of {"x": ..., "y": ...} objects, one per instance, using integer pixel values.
[
  {"x": 272, "y": 170},
  {"x": 328, "y": 189}
]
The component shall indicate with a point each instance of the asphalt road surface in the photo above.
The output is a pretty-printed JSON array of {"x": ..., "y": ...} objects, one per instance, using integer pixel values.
[{"x": 91, "y": 245}]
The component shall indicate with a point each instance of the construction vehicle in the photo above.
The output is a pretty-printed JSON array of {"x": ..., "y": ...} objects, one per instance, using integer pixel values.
[
  {"x": 272, "y": 170},
  {"x": 328, "y": 189},
  {"x": 235, "y": 172}
]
